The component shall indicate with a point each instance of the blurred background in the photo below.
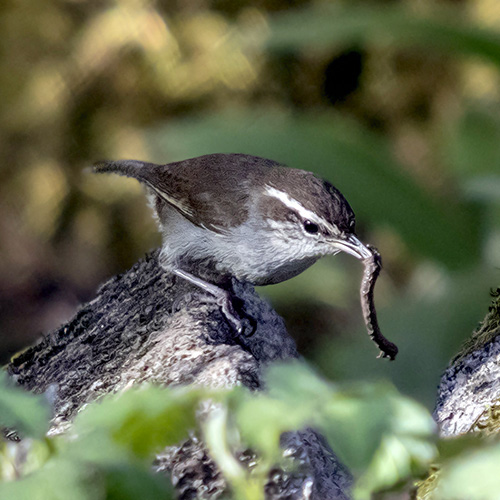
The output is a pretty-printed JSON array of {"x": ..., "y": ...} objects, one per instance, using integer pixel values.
[{"x": 395, "y": 102}]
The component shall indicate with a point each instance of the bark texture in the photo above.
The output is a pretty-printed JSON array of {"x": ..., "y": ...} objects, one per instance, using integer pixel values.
[
  {"x": 470, "y": 390},
  {"x": 146, "y": 325}
]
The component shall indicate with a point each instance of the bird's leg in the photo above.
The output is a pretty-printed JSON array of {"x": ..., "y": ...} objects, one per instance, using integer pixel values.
[{"x": 223, "y": 300}]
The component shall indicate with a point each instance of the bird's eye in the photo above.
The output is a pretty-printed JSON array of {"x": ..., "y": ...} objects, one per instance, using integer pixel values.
[{"x": 310, "y": 227}]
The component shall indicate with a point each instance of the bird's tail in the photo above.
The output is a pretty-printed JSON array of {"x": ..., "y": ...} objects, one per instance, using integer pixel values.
[{"x": 139, "y": 170}]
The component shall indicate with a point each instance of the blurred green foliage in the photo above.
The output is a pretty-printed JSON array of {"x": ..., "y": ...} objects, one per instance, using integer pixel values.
[
  {"x": 333, "y": 24},
  {"x": 387, "y": 440},
  {"x": 107, "y": 453},
  {"x": 21, "y": 410}
]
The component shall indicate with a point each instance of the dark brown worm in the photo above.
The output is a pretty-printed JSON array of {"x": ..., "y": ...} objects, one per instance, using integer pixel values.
[{"x": 373, "y": 265}]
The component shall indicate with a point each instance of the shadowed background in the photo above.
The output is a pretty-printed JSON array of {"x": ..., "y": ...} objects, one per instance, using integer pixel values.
[{"x": 396, "y": 103}]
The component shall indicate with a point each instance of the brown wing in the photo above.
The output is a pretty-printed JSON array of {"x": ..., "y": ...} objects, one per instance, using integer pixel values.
[{"x": 211, "y": 191}]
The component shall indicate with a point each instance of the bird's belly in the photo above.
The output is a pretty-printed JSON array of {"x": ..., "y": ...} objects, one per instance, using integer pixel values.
[{"x": 268, "y": 275}]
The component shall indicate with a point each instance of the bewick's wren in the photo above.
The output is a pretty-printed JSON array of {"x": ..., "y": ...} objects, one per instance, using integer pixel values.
[{"x": 250, "y": 218}]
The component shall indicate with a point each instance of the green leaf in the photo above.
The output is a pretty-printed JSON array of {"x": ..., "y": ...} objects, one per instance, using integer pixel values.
[
  {"x": 355, "y": 160},
  {"x": 383, "y": 437},
  {"x": 294, "y": 382},
  {"x": 21, "y": 410},
  {"x": 22, "y": 458},
  {"x": 66, "y": 478},
  {"x": 59, "y": 479},
  {"x": 380, "y": 435},
  {"x": 126, "y": 482},
  {"x": 220, "y": 439},
  {"x": 453, "y": 447},
  {"x": 262, "y": 420},
  {"x": 405, "y": 451},
  {"x": 333, "y": 25},
  {"x": 102, "y": 458},
  {"x": 355, "y": 423},
  {"x": 295, "y": 398},
  {"x": 143, "y": 420},
  {"x": 472, "y": 475}
]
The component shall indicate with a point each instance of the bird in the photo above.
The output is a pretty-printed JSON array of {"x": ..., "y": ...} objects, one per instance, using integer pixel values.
[{"x": 246, "y": 217}]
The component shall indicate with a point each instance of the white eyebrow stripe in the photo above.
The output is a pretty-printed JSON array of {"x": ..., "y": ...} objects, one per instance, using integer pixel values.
[
  {"x": 293, "y": 204},
  {"x": 287, "y": 200}
]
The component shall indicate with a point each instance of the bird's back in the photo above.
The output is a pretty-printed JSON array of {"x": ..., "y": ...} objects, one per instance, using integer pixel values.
[{"x": 211, "y": 190}]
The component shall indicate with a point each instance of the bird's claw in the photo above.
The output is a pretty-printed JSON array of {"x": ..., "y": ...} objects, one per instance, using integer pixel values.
[{"x": 242, "y": 324}]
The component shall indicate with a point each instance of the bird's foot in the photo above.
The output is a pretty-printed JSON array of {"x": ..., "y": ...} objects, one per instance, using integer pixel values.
[
  {"x": 225, "y": 300},
  {"x": 241, "y": 323}
]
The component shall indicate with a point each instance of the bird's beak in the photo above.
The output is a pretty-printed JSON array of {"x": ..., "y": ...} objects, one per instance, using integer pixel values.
[{"x": 353, "y": 246}]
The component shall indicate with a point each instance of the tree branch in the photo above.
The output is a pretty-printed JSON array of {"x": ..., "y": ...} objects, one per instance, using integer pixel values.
[{"x": 147, "y": 326}]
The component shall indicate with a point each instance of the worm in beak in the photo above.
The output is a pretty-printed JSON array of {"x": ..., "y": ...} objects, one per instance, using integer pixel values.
[{"x": 373, "y": 264}]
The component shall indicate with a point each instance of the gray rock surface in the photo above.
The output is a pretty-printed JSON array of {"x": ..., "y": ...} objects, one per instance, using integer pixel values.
[
  {"x": 146, "y": 325},
  {"x": 471, "y": 383}
]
